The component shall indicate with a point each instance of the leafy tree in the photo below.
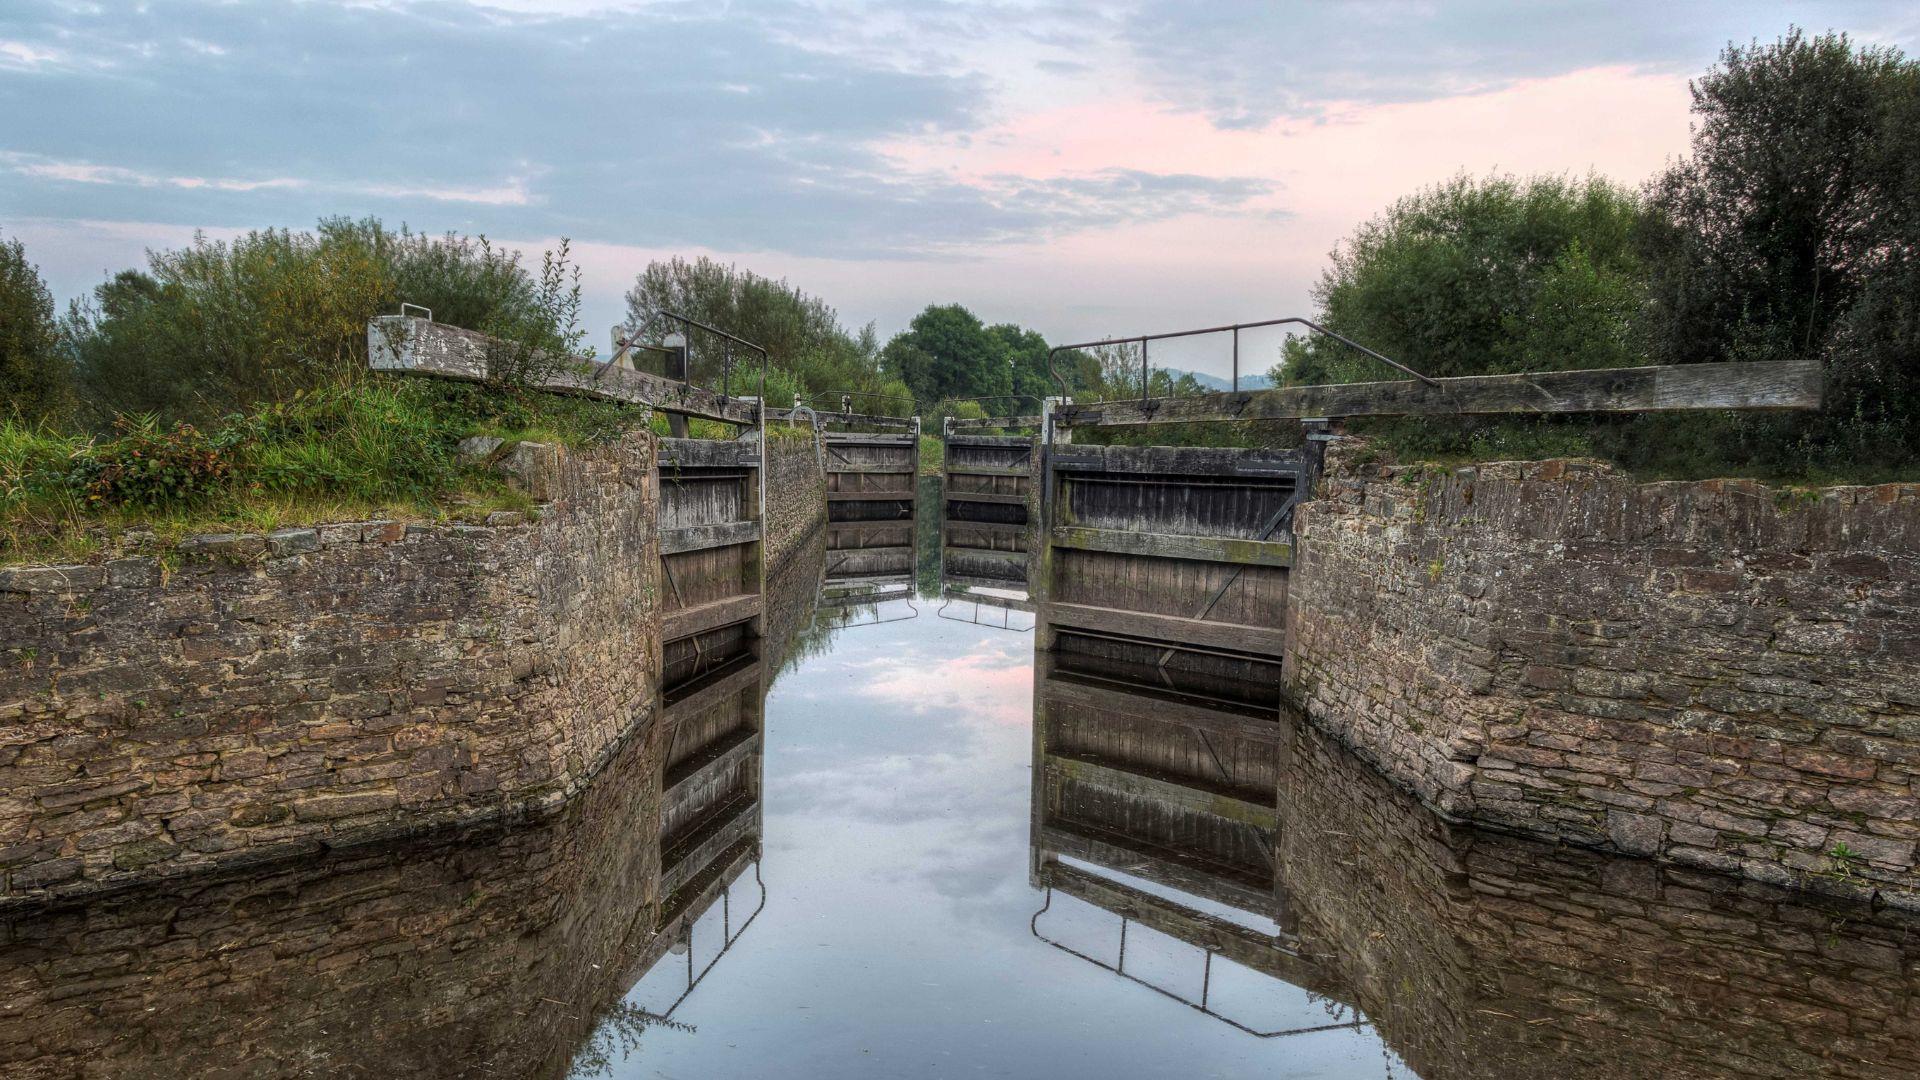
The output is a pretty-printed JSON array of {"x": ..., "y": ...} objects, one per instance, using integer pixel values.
[
  {"x": 946, "y": 352},
  {"x": 1477, "y": 276},
  {"x": 215, "y": 327},
  {"x": 1793, "y": 230},
  {"x": 1026, "y": 353},
  {"x": 33, "y": 372},
  {"x": 801, "y": 333}
]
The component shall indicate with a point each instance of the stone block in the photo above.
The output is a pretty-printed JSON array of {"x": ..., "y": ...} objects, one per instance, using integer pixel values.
[{"x": 287, "y": 542}]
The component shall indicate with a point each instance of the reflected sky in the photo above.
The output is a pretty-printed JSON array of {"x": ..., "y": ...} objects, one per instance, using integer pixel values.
[{"x": 895, "y": 939}]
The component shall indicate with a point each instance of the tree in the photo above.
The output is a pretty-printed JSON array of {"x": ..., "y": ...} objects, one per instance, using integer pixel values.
[
  {"x": 947, "y": 353},
  {"x": 1478, "y": 276},
  {"x": 1793, "y": 230},
  {"x": 801, "y": 333},
  {"x": 33, "y": 372}
]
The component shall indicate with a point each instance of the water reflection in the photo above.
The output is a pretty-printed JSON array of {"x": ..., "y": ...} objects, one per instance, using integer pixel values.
[
  {"x": 869, "y": 565},
  {"x": 502, "y": 954},
  {"x": 1154, "y": 780},
  {"x": 1170, "y": 793}
]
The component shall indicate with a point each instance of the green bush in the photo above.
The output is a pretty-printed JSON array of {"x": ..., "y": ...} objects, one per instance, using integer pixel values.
[{"x": 216, "y": 327}]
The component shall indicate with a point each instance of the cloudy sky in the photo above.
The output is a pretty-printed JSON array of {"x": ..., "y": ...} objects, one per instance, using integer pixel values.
[{"x": 1083, "y": 168}]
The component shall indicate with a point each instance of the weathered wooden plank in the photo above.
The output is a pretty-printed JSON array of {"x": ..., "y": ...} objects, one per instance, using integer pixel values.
[
  {"x": 1167, "y": 463},
  {"x": 1000, "y": 554},
  {"x": 1009, "y": 528},
  {"x": 1275, "y": 956},
  {"x": 861, "y": 599},
  {"x": 713, "y": 760},
  {"x": 1004, "y": 442},
  {"x": 985, "y": 497},
  {"x": 871, "y": 470},
  {"x": 708, "y": 454},
  {"x": 866, "y": 420},
  {"x": 876, "y": 551},
  {"x": 412, "y": 345},
  {"x": 903, "y": 495},
  {"x": 1239, "y": 637},
  {"x": 844, "y": 586},
  {"x": 961, "y": 423},
  {"x": 694, "y": 898},
  {"x": 851, "y": 527},
  {"x": 696, "y": 537},
  {"x": 1786, "y": 384},
  {"x": 861, "y": 438},
  {"x": 1019, "y": 471},
  {"x": 692, "y": 854},
  {"x": 1186, "y": 795},
  {"x": 1163, "y": 706},
  {"x": 1223, "y": 549},
  {"x": 704, "y": 617},
  {"x": 960, "y": 587},
  {"x": 1179, "y": 870},
  {"x": 722, "y": 682},
  {"x": 950, "y": 578}
]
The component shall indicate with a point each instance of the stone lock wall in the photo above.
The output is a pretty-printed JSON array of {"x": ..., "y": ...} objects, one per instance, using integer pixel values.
[
  {"x": 1716, "y": 673},
  {"x": 1487, "y": 955},
  {"x": 252, "y": 696},
  {"x": 796, "y": 491}
]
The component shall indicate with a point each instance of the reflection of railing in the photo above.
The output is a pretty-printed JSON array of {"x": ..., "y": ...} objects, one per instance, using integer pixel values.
[
  {"x": 1206, "y": 981},
  {"x": 854, "y": 601},
  {"x": 727, "y": 937},
  {"x": 1006, "y": 605}
]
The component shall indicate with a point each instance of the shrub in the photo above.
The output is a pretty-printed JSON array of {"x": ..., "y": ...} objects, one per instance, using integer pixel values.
[{"x": 153, "y": 466}]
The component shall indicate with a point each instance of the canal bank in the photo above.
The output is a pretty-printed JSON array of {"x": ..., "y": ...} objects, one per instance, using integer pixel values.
[
  {"x": 241, "y": 699},
  {"x": 1715, "y": 674},
  {"x": 1718, "y": 674}
]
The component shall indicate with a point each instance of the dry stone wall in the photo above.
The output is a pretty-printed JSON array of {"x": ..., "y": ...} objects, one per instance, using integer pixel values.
[
  {"x": 1716, "y": 673},
  {"x": 249, "y": 697}
]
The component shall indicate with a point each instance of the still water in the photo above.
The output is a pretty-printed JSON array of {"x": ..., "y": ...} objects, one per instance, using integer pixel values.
[{"x": 951, "y": 858}]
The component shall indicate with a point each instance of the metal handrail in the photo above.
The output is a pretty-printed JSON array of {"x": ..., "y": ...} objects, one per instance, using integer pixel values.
[
  {"x": 726, "y": 369},
  {"x": 1235, "y": 328}
]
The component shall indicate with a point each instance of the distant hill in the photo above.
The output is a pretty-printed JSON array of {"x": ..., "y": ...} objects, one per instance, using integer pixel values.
[{"x": 1248, "y": 380}]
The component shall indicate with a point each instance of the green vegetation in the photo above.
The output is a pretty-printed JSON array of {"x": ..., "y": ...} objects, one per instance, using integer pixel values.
[
  {"x": 811, "y": 356},
  {"x": 215, "y": 328},
  {"x": 226, "y": 388},
  {"x": 1792, "y": 231},
  {"x": 374, "y": 448},
  {"x": 33, "y": 376}
]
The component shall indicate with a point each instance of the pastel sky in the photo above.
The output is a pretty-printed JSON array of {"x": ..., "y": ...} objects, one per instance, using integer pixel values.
[{"x": 1082, "y": 168}]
